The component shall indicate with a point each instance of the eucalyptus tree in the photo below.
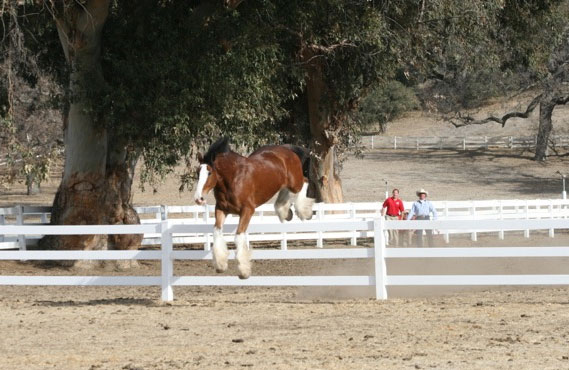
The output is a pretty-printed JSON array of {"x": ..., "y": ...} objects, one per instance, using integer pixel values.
[
  {"x": 335, "y": 51},
  {"x": 151, "y": 80},
  {"x": 343, "y": 49}
]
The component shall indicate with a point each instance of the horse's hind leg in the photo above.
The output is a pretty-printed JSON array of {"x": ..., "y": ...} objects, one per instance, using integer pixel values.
[
  {"x": 220, "y": 252},
  {"x": 303, "y": 204},
  {"x": 282, "y": 205},
  {"x": 243, "y": 253}
]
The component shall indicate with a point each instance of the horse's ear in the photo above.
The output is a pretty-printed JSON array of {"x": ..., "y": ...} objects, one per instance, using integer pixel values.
[{"x": 200, "y": 157}]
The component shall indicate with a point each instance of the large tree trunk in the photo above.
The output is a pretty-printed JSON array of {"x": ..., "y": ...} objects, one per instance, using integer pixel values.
[
  {"x": 546, "y": 107},
  {"x": 97, "y": 177},
  {"x": 117, "y": 204},
  {"x": 324, "y": 175}
]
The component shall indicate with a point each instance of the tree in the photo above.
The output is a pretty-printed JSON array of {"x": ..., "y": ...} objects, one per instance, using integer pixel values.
[
  {"x": 532, "y": 40},
  {"x": 30, "y": 131},
  {"x": 164, "y": 82},
  {"x": 337, "y": 51}
]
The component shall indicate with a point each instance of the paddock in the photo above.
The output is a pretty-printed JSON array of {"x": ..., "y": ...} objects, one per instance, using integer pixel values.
[{"x": 324, "y": 327}]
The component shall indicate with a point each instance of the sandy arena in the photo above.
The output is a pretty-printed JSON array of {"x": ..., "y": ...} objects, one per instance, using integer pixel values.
[{"x": 318, "y": 328}]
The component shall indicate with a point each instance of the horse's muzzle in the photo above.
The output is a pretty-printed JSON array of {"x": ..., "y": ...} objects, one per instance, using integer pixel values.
[{"x": 200, "y": 201}]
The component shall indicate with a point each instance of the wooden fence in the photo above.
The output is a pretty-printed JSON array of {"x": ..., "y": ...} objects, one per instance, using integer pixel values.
[
  {"x": 459, "y": 142},
  {"x": 380, "y": 279},
  {"x": 204, "y": 215}
]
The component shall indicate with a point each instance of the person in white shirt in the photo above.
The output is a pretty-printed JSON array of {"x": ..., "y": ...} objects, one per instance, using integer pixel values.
[{"x": 422, "y": 210}]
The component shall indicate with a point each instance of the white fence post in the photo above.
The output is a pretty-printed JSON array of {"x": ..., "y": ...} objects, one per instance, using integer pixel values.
[
  {"x": 526, "y": 232},
  {"x": 379, "y": 259},
  {"x": 320, "y": 212},
  {"x": 446, "y": 235},
  {"x": 464, "y": 143},
  {"x": 207, "y": 244},
  {"x": 284, "y": 245},
  {"x": 550, "y": 209},
  {"x": 167, "y": 263},
  {"x": 372, "y": 141},
  {"x": 354, "y": 240},
  {"x": 473, "y": 236},
  {"x": 501, "y": 217},
  {"x": 163, "y": 212},
  {"x": 394, "y": 142},
  {"x": 20, "y": 221}
]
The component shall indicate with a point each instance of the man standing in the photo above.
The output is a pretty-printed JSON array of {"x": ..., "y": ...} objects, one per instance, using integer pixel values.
[
  {"x": 421, "y": 210},
  {"x": 392, "y": 210}
]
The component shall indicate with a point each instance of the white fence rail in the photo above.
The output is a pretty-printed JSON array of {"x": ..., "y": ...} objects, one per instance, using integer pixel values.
[
  {"x": 379, "y": 253},
  {"x": 204, "y": 215},
  {"x": 459, "y": 142}
]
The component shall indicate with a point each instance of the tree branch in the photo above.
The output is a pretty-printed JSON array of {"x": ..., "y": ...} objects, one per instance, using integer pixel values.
[{"x": 459, "y": 120}]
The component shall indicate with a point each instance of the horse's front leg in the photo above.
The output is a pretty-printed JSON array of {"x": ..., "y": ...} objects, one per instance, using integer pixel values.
[
  {"x": 220, "y": 252},
  {"x": 243, "y": 254}
]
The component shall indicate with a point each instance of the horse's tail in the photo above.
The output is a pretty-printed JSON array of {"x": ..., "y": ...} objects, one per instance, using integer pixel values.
[{"x": 304, "y": 156}]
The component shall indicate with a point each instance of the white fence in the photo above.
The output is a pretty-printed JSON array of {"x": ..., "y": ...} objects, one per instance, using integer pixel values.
[
  {"x": 380, "y": 279},
  {"x": 459, "y": 142},
  {"x": 204, "y": 215}
]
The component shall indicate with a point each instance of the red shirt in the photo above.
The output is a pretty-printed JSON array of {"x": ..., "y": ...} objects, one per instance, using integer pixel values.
[{"x": 394, "y": 206}]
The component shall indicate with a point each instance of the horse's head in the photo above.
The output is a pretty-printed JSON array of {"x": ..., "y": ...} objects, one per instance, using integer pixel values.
[{"x": 207, "y": 179}]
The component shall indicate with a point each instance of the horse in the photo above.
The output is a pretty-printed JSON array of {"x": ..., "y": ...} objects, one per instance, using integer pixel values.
[{"x": 241, "y": 184}]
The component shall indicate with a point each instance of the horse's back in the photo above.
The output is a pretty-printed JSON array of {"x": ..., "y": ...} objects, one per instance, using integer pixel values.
[{"x": 279, "y": 162}]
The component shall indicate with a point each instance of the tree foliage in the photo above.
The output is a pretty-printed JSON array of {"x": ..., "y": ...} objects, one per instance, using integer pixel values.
[
  {"x": 386, "y": 103},
  {"x": 30, "y": 126}
]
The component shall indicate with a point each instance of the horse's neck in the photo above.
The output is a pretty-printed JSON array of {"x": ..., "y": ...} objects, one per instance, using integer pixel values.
[{"x": 227, "y": 166}]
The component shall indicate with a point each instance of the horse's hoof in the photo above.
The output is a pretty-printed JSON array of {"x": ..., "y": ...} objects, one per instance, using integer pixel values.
[
  {"x": 219, "y": 268},
  {"x": 244, "y": 271},
  {"x": 244, "y": 276},
  {"x": 289, "y": 216}
]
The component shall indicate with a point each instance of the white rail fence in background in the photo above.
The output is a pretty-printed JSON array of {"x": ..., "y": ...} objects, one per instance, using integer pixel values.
[
  {"x": 459, "y": 142},
  {"x": 380, "y": 279},
  {"x": 204, "y": 215}
]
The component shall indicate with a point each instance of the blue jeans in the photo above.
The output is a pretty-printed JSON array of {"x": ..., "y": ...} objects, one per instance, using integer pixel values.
[{"x": 419, "y": 234}]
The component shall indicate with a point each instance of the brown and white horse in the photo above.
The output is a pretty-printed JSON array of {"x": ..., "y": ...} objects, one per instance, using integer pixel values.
[{"x": 241, "y": 184}]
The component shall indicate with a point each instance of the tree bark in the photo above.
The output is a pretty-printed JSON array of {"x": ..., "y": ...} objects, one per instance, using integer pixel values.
[
  {"x": 324, "y": 175},
  {"x": 546, "y": 107},
  {"x": 117, "y": 204},
  {"x": 97, "y": 177}
]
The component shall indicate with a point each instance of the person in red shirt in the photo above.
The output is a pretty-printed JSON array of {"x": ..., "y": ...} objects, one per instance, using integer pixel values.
[{"x": 392, "y": 210}]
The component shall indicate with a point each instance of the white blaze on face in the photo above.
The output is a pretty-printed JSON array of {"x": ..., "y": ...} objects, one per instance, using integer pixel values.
[{"x": 201, "y": 182}]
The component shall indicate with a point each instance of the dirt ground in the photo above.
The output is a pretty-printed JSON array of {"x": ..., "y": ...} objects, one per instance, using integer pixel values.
[{"x": 317, "y": 328}]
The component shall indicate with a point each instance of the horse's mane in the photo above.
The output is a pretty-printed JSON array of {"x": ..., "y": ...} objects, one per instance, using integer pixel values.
[{"x": 220, "y": 146}]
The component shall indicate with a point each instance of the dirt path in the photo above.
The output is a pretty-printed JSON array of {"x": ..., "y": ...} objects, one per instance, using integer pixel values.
[{"x": 126, "y": 328}]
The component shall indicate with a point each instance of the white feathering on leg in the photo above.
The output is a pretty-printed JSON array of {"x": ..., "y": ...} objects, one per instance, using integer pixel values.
[
  {"x": 282, "y": 204},
  {"x": 220, "y": 252},
  {"x": 243, "y": 256},
  {"x": 303, "y": 204}
]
